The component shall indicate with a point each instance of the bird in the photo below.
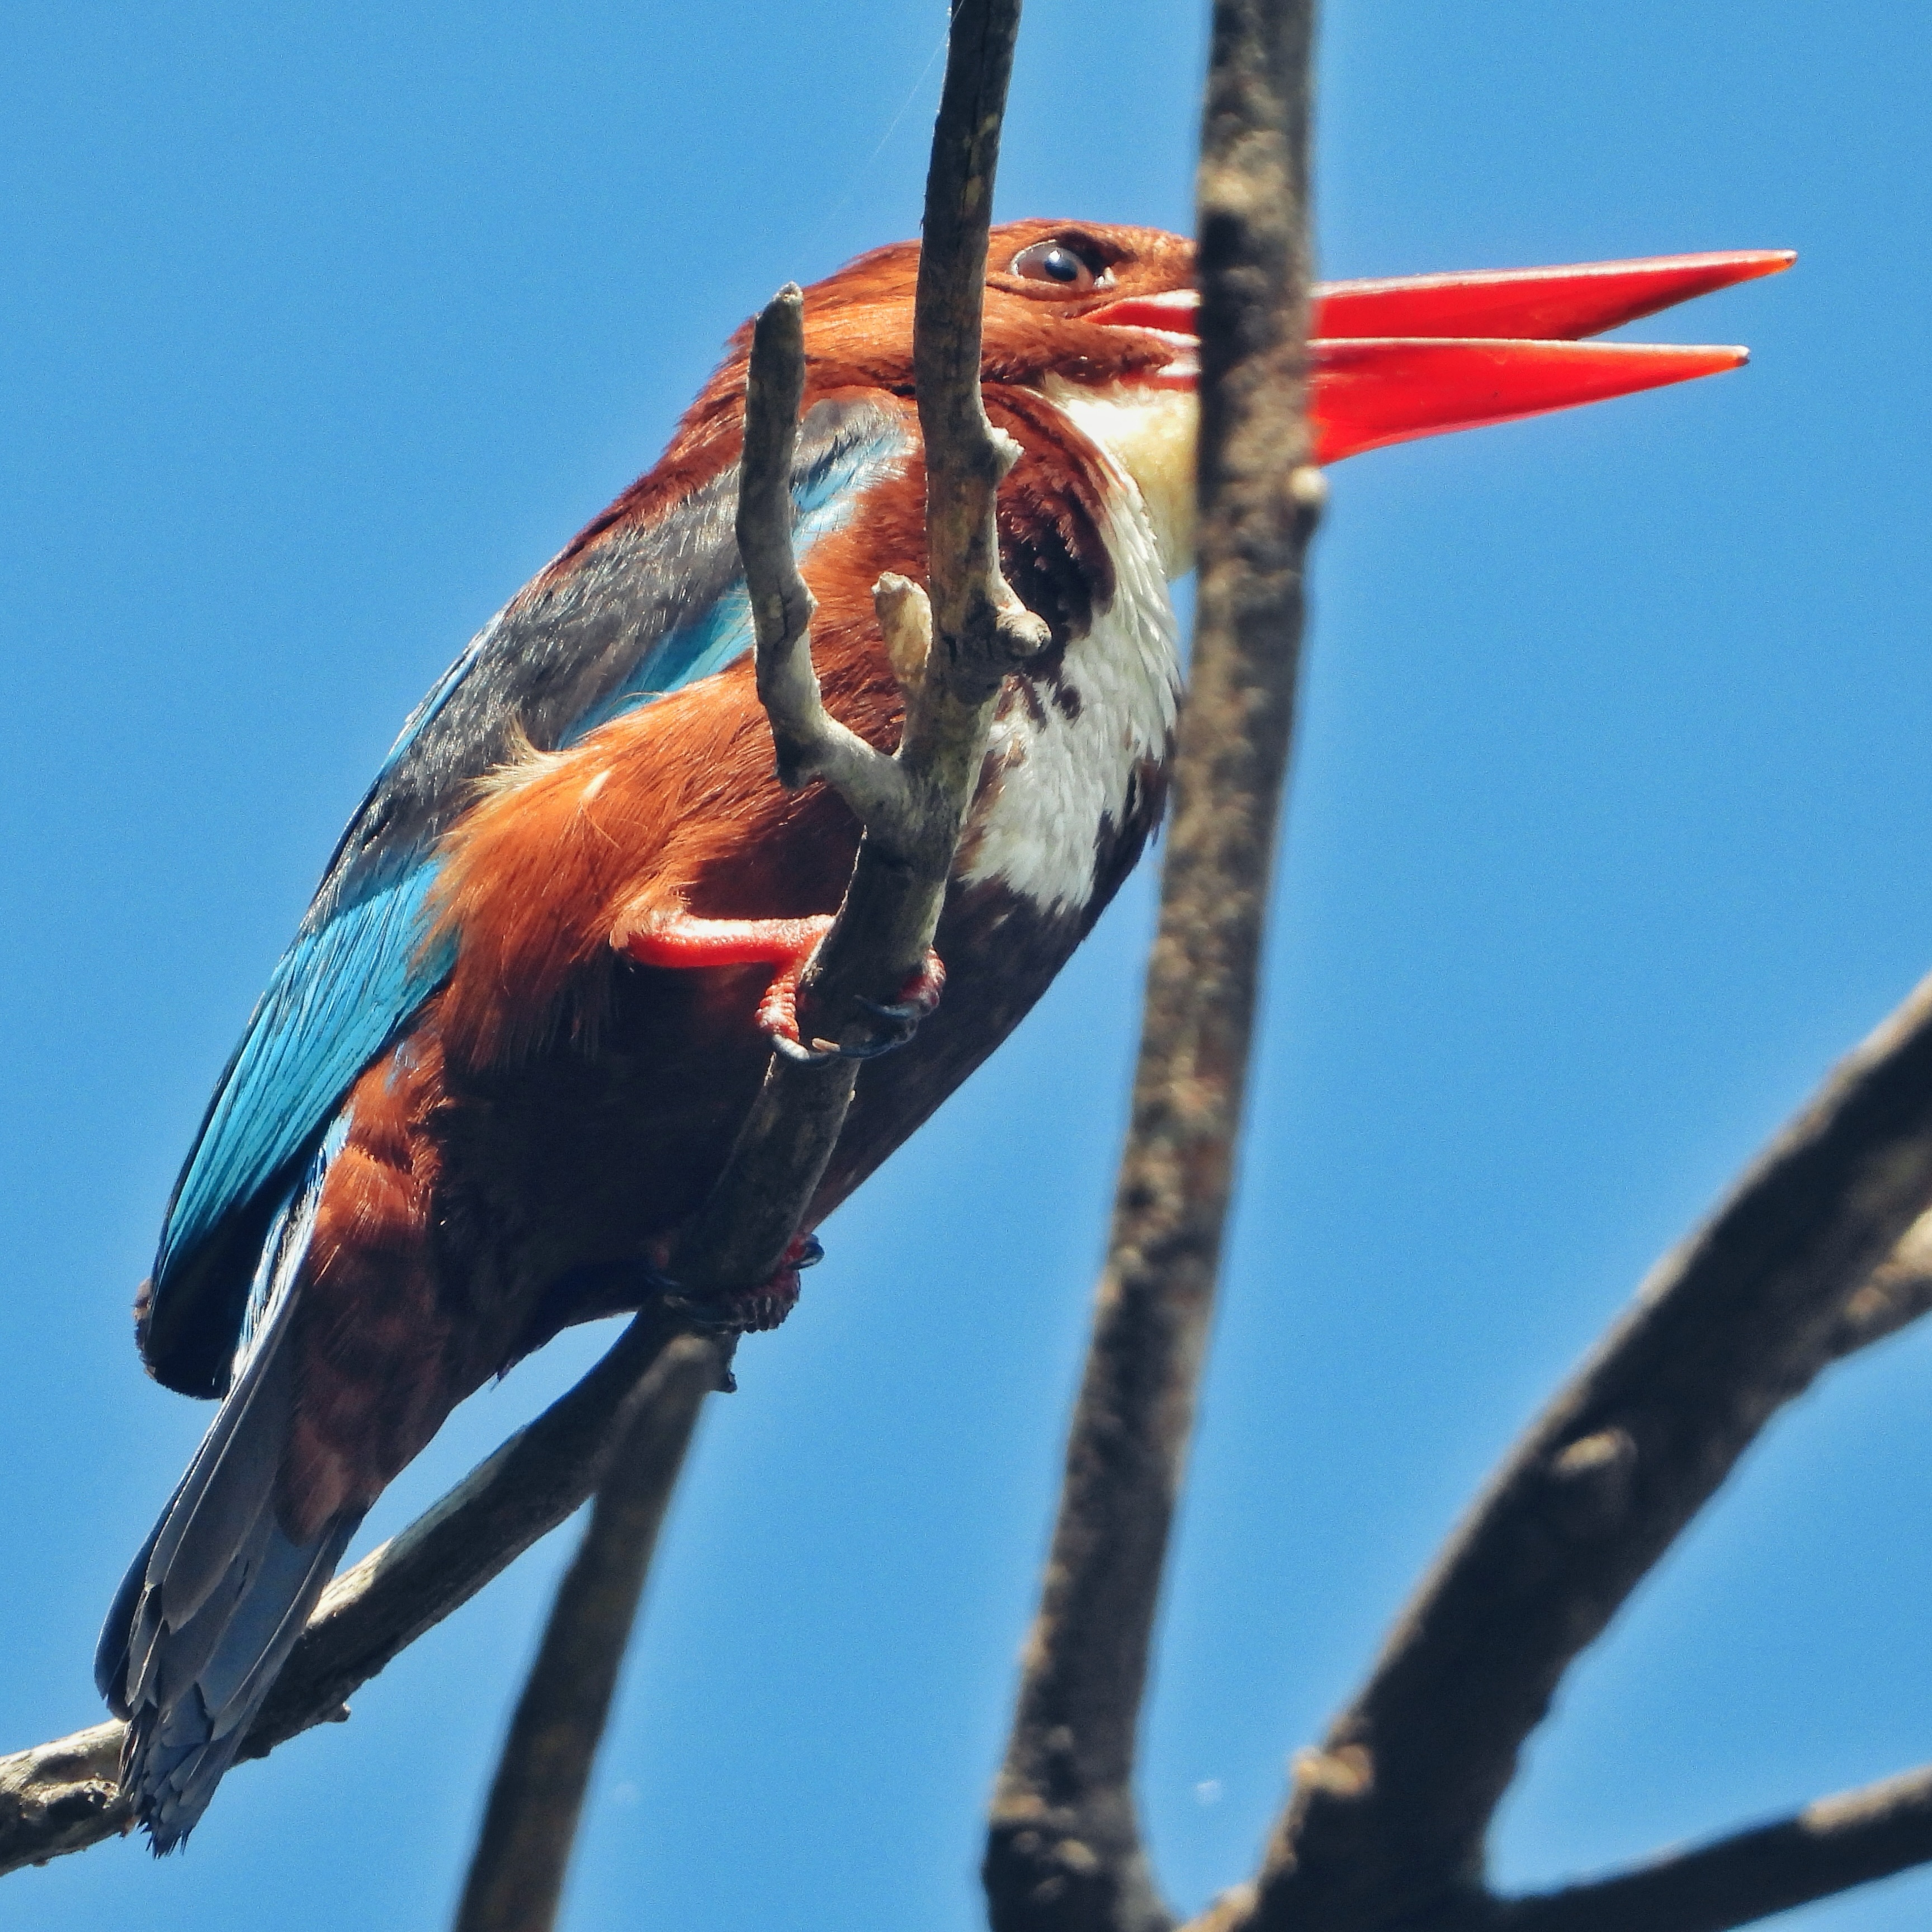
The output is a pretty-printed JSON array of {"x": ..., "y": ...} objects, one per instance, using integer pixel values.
[{"x": 504, "y": 1055}]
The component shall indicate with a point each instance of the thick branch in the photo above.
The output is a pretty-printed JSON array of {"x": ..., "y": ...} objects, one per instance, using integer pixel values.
[
  {"x": 62, "y": 1796},
  {"x": 1389, "y": 1815},
  {"x": 1063, "y": 1849},
  {"x": 1840, "y": 1841},
  {"x": 516, "y": 1878},
  {"x": 1897, "y": 1292}
]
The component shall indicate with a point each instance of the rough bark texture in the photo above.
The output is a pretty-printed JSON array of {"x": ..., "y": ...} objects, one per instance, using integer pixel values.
[
  {"x": 62, "y": 1797},
  {"x": 1063, "y": 1853}
]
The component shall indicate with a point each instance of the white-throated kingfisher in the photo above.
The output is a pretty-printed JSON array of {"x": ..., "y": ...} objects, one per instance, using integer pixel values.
[{"x": 506, "y": 1053}]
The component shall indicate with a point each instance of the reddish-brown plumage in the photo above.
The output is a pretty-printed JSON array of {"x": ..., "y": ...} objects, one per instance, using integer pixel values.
[
  {"x": 558, "y": 1108},
  {"x": 560, "y": 1068},
  {"x": 858, "y": 335},
  {"x": 675, "y": 803},
  {"x": 373, "y": 1338}
]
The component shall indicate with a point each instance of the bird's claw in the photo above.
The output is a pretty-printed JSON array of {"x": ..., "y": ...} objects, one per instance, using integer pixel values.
[
  {"x": 917, "y": 999},
  {"x": 788, "y": 1046},
  {"x": 880, "y": 1043},
  {"x": 823, "y": 1052},
  {"x": 750, "y": 1311}
]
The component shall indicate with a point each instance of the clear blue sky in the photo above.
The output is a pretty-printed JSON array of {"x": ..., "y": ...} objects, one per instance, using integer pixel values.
[{"x": 321, "y": 328}]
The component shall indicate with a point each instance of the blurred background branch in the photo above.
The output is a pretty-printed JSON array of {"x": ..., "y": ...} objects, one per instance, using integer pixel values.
[
  {"x": 522, "y": 1846},
  {"x": 1838, "y": 1842},
  {"x": 1063, "y": 1849},
  {"x": 1760, "y": 110}
]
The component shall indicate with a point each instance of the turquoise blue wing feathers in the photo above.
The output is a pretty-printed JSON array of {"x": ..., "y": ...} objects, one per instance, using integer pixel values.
[{"x": 649, "y": 609}]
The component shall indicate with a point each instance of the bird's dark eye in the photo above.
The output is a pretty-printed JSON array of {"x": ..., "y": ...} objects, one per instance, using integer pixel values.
[{"x": 1055, "y": 262}]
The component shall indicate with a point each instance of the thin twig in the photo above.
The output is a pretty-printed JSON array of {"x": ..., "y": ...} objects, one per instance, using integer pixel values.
[
  {"x": 810, "y": 743},
  {"x": 516, "y": 1879},
  {"x": 1388, "y": 1818},
  {"x": 1838, "y": 1842},
  {"x": 1064, "y": 1848},
  {"x": 63, "y": 1796}
]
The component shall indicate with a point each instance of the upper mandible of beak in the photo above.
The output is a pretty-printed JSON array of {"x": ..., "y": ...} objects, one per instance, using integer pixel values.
[{"x": 1419, "y": 356}]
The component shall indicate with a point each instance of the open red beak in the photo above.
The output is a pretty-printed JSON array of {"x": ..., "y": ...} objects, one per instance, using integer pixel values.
[{"x": 1424, "y": 354}]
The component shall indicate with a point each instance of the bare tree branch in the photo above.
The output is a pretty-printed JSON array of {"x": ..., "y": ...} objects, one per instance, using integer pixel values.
[
  {"x": 1846, "y": 1839},
  {"x": 979, "y": 631},
  {"x": 516, "y": 1878},
  {"x": 911, "y": 806},
  {"x": 1388, "y": 1818},
  {"x": 810, "y": 742},
  {"x": 541, "y": 1476},
  {"x": 62, "y": 1796},
  {"x": 1063, "y": 1848}
]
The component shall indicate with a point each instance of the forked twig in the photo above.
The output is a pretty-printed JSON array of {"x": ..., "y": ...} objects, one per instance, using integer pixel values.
[
  {"x": 1818, "y": 1252},
  {"x": 61, "y": 1797},
  {"x": 911, "y": 806}
]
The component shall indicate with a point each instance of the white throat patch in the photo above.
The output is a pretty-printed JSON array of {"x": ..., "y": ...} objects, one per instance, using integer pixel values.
[
  {"x": 1066, "y": 753},
  {"x": 1151, "y": 434}
]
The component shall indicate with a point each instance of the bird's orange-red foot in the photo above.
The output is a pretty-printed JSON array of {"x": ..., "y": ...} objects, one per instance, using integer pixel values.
[{"x": 681, "y": 940}]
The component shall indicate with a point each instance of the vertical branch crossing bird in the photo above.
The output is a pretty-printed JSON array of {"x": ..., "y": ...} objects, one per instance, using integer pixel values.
[{"x": 506, "y": 1053}]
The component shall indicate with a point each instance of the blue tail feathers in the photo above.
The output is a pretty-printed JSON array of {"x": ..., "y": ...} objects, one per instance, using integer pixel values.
[{"x": 211, "y": 1608}]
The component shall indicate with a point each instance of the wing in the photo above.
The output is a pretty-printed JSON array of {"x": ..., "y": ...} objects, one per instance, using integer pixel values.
[{"x": 649, "y": 609}]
